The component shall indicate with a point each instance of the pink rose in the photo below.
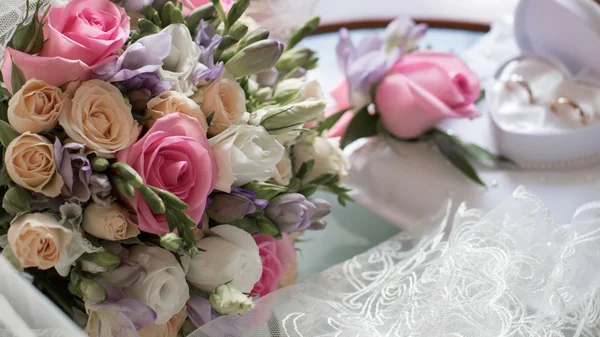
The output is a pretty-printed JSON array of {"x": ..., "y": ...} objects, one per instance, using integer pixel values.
[
  {"x": 424, "y": 88},
  {"x": 270, "y": 251},
  {"x": 80, "y": 36},
  {"x": 190, "y": 5},
  {"x": 175, "y": 156}
]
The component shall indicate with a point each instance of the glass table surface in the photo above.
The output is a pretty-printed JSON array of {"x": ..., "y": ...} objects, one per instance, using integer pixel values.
[{"x": 354, "y": 229}]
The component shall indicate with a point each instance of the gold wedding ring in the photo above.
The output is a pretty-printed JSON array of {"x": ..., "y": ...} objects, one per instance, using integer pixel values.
[
  {"x": 516, "y": 79},
  {"x": 565, "y": 101}
]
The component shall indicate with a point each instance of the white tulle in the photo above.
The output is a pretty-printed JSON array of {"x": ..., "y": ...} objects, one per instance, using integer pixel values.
[{"x": 510, "y": 272}]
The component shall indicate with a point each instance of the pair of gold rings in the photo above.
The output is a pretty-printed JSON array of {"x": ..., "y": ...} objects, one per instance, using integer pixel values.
[{"x": 555, "y": 106}]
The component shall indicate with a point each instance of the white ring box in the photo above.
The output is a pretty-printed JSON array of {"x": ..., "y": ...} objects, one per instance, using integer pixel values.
[{"x": 560, "y": 46}]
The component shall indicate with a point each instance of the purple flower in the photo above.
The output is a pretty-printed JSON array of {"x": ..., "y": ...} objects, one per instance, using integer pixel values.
[
  {"x": 291, "y": 212},
  {"x": 137, "y": 67},
  {"x": 206, "y": 70},
  {"x": 74, "y": 167},
  {"x": 228, "y": 207},
  {"x": 100, "y": 187},
  {"x": 404, "y": 33},
  {"x": 364, "y": 65},
  {"x": 118, "y": 316},
  {"x": 199, "y": 310},
  {"x": 323, "y": 210}
]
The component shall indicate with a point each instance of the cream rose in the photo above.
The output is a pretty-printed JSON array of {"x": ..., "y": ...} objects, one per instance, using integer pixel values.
[
  {"x": 328, "y": 156},
  {"x": 231, "y": 256},
  {"x": 225, "y": 100},
  {"x": 163, "y": 288},
  {"x": 29, "y": 161},
  {"x": 37, "y": 240},
  {"x": 109, "y": 223},
  {"x": 169, "y": 329},
  {"x": 170, "y": 102},
  {"x": 35, "y": 107},
  {"x": 99, "y": 118}
]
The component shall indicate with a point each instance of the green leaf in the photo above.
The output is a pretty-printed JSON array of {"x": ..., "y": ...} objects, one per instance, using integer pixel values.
[
  {"x": 267, "y": 226},
  {"x": 17, "y": 78},
  {"x": 481, "y": 97},
  {"x": 453, "y": 152},
  {"x": 7, "y": 133},
  {"x": 236, "y": 11},
  {"x": 205, "y": 12},
  {"x": 4, "y": 178},
  {"x": 485, "y": 157},
  {"x": 330, "y": 121},
  {"x": 362, "y": 125},
  {"x": 308, "y": 190},
  {"x": 172, "y": 221},
  {"x": 326, "y": 179},
  {"x": 305, "y": 169},
  {"x": 4, "y": 110},
  {"x": 4, "y": 91}
]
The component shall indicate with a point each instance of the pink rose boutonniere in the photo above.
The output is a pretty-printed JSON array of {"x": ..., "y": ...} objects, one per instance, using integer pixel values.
[
  {"x": 78, "y": 37},
  {"x": 391, "y": 87}
]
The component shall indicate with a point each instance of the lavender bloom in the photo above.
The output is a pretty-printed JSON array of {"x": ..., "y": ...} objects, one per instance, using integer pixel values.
[
  {"x": 323, "y": 209},
  {"x": 199, "y": 310},
  {"x": 100, "y": 188},
  {"x": 291, "y": 212},
  {"x": 226, "y": 208},
  {"x": 74, "y": 167},
  {"x": 138, "y": 66},
  {"x": 364, "y": 65},
  {"x": 206, "y": 70},
  {"x": 404, "y": 33},
  {"x": 118, "y": 316}
]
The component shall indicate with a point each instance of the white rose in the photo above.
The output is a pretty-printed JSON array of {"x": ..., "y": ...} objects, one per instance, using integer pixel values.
[
  {"x": 328, "y": 156},
  {"x": 182, "y": 59},
  {"x": 284, "y": 174},
  {"x": 225, "y": 100},
  {"x": 227, "y": 300},
  {"x": 245, "y": 153},
  {"x": 231, "y": 256},
  {"x": 163, "y": 288},
  {"x": 306, "y": 89}
]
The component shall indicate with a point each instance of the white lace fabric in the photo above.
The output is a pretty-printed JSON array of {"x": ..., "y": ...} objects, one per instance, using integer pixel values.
[{"x": 510, "y": 272}]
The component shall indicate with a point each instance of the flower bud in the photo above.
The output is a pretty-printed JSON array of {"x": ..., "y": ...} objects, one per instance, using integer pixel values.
[
  {"x": 323, "y": 209},
  {"x": 308, "y": 28},
  {"x": 153, "y": 200},
  {"x": 205, "y": 12},
  {"x": 102, "y": 259},
  {"x": 226, "y": 300},
  {"x": 151, "y": 14},
  {"x": 286, "y": 118},
  {"x": 291, "y": 212},
  {"x": 254, "y": 36},
  {"x": 297, "y": 58},
  {"x": 99, "y": 164},
  {"x": 226, "y": 208},
  {"x": 265, "y": 190},
  {"x": 92, "y": 291},
  {"x": 238, "y": 31},
  {"x": 148, "y": 26},
  {"x": 171, "y": 242},
  {"x": 123, "y": 187},
  {"x": 171, "y": 199},
  {"x": 166, "y": 13},
  {"x": 129, "y": 174},
  {"x": 318, "y": 225},
  {"x": 255, "y": 58},
  {"x": 263, "y": 94},
  {"x": 30, "y": 37}
]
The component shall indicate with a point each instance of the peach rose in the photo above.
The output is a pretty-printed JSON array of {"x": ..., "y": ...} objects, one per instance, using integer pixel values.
[
  {"x": 35, "y": 107},
  {"x": 169, "y": 329},
  {"x": 226, "y": 101},
  {"x": 109, "y": 223},
  {"x": 37, "y": 240},
  {"x": 29, "y": 161},
  {"x": 173, "y": 102},
  {"x": 99, "y": 118}
]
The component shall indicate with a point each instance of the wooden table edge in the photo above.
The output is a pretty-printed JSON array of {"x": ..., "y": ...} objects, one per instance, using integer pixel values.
[{"x": 381, "y": 23}]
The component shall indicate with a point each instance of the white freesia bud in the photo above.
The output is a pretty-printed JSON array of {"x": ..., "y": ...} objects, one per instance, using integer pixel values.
[
  {"x": 231, "y": 255},
  {"x": 328, "y": 156},
  {"x": 226, "y": 300},
  {"x": 182, "y": 59},
  {"x": 303, "y": 88},
  {"x": 163, "y": 288},
  {"x": 283, "y": 119},
  {"x": 244, "y": 153}
]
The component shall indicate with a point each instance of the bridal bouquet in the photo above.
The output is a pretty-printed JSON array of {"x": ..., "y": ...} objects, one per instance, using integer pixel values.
[
  {"x": 396, "y": 89},
  {"x": 158, "y": 161}
]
